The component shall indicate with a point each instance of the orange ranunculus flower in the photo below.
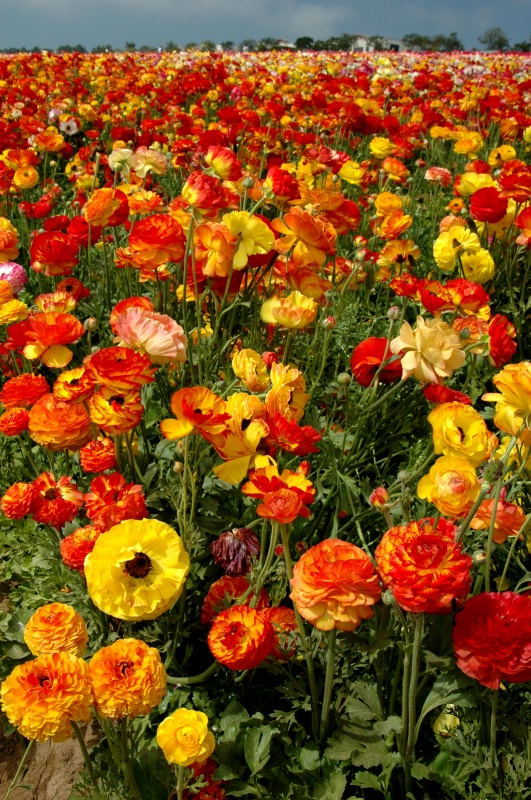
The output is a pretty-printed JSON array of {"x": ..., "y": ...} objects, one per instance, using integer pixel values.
[
  {"x": 284, "y": 497},
  {"x": 55, "y": 502},
  {"x": 294, "y": 311},
  {"x": 514, "y": 393},
  {"x": 451, "y": 485},
  {"x": 203, "y": 192},
  {"x": 128, "y": 679},
  {"x": 76, "y": 547},
  {"x": 198, "y": 410},
  {"x": 59, "y": 426},
  {"x": 249, "y": 367},
  {"x": 56, "y": 628},
  {"x": 9, "y": 248},
  {"x": 156, "y": 240},
  {"x": 116, "y": 412},
  {"x": 214, "y": 249},
  {"x": 17, "y": 500},
  {"x": 424, "y": 567},
  {"x": 335, "y": 586},
  {"x": 392, "y": 226},
  {"x": 241, "y": 638},
  {"x": 309, "y": 238},
  {"x": 224, "y": 163},
  {"x": 145, "y": 202},
  {"x": 49, "y": 141},
  {"x": 54, "y": 253},
  {"x": 73, "y": 386},
  {"x": 308, "y": 283},
  {"x": 26, "y": 177},
  {"x": 224, "y": 591},
  {"x": 127, "y": 303},
  {"x": 42, "y": 697},
  {"x": 46, "y": 337},
  {"x": 112, "y": 500},
  {"x": 287, "y": 395},
  {"x": 396, "y": 170},
  {"x": 508, "y": 519},
  {"x": 284, "y": 623},
  {"x": 13, "y": 311},
  {"x": 14, "y": 421},
  {"x": 120, "y": 369},
  {"x": 106, "y": 207},
  {"x": 98, "y": 455},
  {"x": 458, "y": 430},
  {"x": 60, "y": 302}
]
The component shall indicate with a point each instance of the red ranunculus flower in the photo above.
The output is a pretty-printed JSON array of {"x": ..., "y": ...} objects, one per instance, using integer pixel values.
[
  {"x": 367, "y": 359},
  {"x": 492, "y": 638},
  {"x": 487, "y": 205},
  {"x": 438, "y": 393},
  {"x": 111, "y": 500}
]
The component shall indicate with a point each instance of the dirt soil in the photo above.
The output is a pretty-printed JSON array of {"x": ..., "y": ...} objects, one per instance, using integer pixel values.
[{"x": 52, "y": 768}]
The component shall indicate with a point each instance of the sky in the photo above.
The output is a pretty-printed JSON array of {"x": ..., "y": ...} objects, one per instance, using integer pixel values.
[{"x": 50, "y": 23}]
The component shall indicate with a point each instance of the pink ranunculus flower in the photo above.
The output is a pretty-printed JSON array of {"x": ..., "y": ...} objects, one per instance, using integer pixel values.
[
  {"x": 157, "y": 335},
  {"x": 439, "y": 174},
  {"x": 14, "y": 274}
]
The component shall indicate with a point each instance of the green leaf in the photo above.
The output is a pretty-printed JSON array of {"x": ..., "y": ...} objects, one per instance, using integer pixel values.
[
  {"x": 385, "y": 727},
  {"x": 232, "y": 718},
  {"x": 447, "y": 689},
  {"x": 152, "y": 774},
  {"x": 330, "y": 788},
  {"x": 421, "y": 772},
  {"x": 310, "y": 758},
  {"x": 367, "y": 780},
  {"x": 17, "y": 652},
  {"x": 257, "y": 746},
  {"x": 240, "y": 789}
]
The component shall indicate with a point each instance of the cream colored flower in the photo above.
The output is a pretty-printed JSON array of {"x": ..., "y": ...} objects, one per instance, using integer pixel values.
[{"x": 431, "y": 351}]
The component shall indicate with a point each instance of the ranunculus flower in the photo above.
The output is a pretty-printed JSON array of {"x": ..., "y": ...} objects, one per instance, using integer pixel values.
[
  {"x": 451, "y": 485},
  {"x": 98, "y": 455},
  {"x": 241, "y": 638},
  {"x": 284, "y": 623},
  {"x": 253, "y": 236},
  {"x": 127, "y": 678},
  {"x": 184, "y": 737},
  {"x": 14, "y": 421},
  {"x": 508, "y": 519},
  {"x": 14, "y": 274},
  {"x": 137, "y": 570},
  {"x": 492, "y": 638},
  {"x": 57, "y": 425},
  {"x": 431, "y": 351},
  {"x": 42, "y": 697},
  {"x": 55, "y": 628},
  {"x": 250, "y": 368},
  {"x": 54, "y": 253},
  {"x": 17, "y": 499},
  {"x": 488, "y": 205},
  {"x": 335, "y": 586},
  {"x": 424, "y": 567},
  {"x": 55, "y": 502},
  {"x": 234, "y": 551},
  {"x": 120, "y": 369},
  {"x": 452, "y": 243},
  {"x": 224, "y": 591},
  {"x": 294, "y": 311},
  {"x": 157, "y": 335},
  {"x": 112, "y": 500},
  {"x": 75, "y": 548},
  {"x": 458, "y": 430},
  {"x": 368, "y": 357}
]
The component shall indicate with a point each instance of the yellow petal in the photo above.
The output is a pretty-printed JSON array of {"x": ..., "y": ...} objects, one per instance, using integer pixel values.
[{"x": 175, "y": 429}]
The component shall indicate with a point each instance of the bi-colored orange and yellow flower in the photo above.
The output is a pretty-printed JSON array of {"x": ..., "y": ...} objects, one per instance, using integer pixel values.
[
  {"x": 56, "y": 628},
  {"x": 451, "y": 485},
  {"x": 458, "y": 430},
  {"x": 241, "y": 638}
]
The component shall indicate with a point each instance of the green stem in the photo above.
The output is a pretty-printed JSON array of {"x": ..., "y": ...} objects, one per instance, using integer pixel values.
[
  {"x": 514, "y": 543},
  {"x": 18, "y": 773},
  {"x": 329, "y": 683},
  {"x": 497, "y": 493},
  {"x": 86, "y": 758},
  {"x": 193, "y": 679},
  {"x": 304, "y": 639},
  {"x": 128, "y": 766},
  {"x": 412, "y": 693},
  {"x": 180, "y": 782},
  {"x": 493, "y": 719},
  {"x": 175, "y": 637}
]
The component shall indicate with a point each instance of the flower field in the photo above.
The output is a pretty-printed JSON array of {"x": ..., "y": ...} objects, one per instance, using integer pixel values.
[{"x": 265, "y": 422}]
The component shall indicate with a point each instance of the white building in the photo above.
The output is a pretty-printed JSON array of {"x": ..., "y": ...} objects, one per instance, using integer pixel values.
[{"x": 366, "y": 44}]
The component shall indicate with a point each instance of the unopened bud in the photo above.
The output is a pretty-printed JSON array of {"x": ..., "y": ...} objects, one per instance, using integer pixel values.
[
  {"x": 301, "y": 547},
  {"x": 248, "y": 183},
  {"x": 479, "y": 556},
  {"x": 279, "y": 550},
  {"x": 178, "y": 468},
  {"x": 388, "y": 598},
  {"x": 403, "y": 475},
  {"x": 420, "y": 162},
  {"x": 91, "y": 324},
  {"x": 329, "y": 323},
  {"x": 269, "y": 358},
  {"x": 393, "y": 312},
  {"x": 379, "y": 497},
  {"x": 344, "y": 379},
  {"x": 493, "y": 471},
  {"x": 361, "y": 255}
]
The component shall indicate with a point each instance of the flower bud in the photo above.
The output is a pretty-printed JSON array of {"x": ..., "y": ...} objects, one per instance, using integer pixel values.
[
  {"x": 379, "y": 497},
  {"x": 329, "y": 323},
  {"x": 479, "y": 556},
  {"x": 248, "y": 183},
  {"x": 279, "y": 550},
  {"x": 91, "y": 324},
  {"x": 178, "y": 468},
  {"x": 393, "y": 312},
  {"x": 344, "y": 379},
  {"x": 403, "y": 475},
  {"x": 269, "y": 358},
  {"x": 388, "y": 598},
  {"x": 301, "y": 547},
  {"x": 493, "y": 471}
]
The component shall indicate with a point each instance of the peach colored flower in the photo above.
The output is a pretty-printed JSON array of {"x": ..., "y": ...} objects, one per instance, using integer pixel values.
[
  {"x": 431, "y": 351},
  {"x": 157, "y": 335}
]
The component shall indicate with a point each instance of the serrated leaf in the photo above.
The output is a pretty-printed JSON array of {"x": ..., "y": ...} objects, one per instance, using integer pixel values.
[
  {"x": 310, "y": 758},
  {"x": 447, "y": 689},
  {"x": 386, "y": 726},
  {"x": 256, "y": 747},
  {"x": 367, "y": 780},
  {"x": 421, "y": 772},
  {"x": 330, "y": 788},
  {"x": 233, "y": 716}
]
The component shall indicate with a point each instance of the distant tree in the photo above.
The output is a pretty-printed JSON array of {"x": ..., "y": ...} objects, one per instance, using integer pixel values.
[
  {"x": 417, "y": 40},
  {"x": 267, "y": 43},
  {"x": 130, "y": 47},
  {"x": 304, "y": 43},
  {"x": 437, "y": 44},
  {"x": 146, "y": 48},
  {"x": 319, "y": 44},
  {"x": 171, "y": 47},
  {"x": 248, "y": 44},
  {"x": 494, "y": 39},
  {"x": 191, "y": 46},
  {"x": 228, "y": 45},
  {"x": 208, "y": 46},
  {"x": 523, "y": 47},
  {"x": 71, "y": 48},
  {"x": 376, "y": 42},
  {"x": 102, "y": 48}
]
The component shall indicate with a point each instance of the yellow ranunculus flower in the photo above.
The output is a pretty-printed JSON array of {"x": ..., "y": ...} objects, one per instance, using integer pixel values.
[
  {"x": 26, "y": 177},
  {"x": 386, "y": 203},
  {"x": 458, "y": 430},
  {"x": 500, "y": 154},
  {"x": 381, "y": 147},
  {"x": 472, "y": 181},
  {"x": 294, "y": 311},
  {"x": 451, "y": 485},
  {"x": 13, "y": 311},
  {"x": 137, "y": 570},
  {"x": 479, "y": 266},
  {"x": 451, "y": 243},
  {"x": 254, "y": 236},
  {"x": 469, "y": 143},
  {"x": 251, "y": 370},
  {"x": 351, "y": 172},
  {"x": 184, "y": 737}
]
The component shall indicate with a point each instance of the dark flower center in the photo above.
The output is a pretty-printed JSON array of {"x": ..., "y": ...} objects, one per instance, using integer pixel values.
[
  {"x": 139, "y": 566},
  {"x": 117, "y": 398},
  {"x": 124, "y": 666},
  {"x": 50, "y": 494},
  {"x": 43, "y": 679}
]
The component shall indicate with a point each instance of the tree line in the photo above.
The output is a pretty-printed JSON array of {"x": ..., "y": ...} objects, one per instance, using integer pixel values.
[{"x": 493, "y": 39}]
